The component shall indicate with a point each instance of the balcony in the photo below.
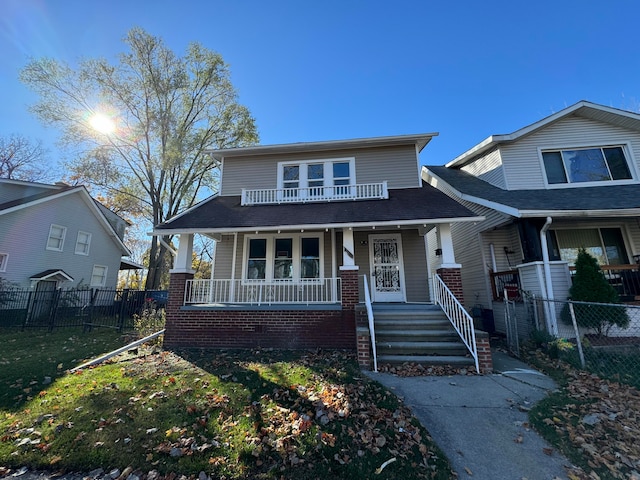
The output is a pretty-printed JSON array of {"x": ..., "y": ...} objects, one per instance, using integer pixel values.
[{"x": 274, "y": 196}]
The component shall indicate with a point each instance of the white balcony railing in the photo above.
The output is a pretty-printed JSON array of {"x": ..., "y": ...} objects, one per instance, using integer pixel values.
[
  {"x": 363, "y": 191},
  {"x": 261, "y": 292}
]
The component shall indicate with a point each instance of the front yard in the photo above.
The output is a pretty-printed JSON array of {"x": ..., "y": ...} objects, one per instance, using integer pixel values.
[{"x": 259, "y": 414}]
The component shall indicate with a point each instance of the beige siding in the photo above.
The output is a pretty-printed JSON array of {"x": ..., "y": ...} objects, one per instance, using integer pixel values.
[
  {"x": 522, "y": 163},
  {"x": 488, "y": 168},
  {"x": 415, "y": 263},
  {"x": 224, "y": 256},
  {"x": 472, "y": 252},
  {"x": 397, "y": 165}
]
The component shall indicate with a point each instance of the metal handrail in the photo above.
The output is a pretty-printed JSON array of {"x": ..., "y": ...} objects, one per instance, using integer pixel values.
[
  {"x": 372, "y": 330},
  {"x": 457, "y": 315}
]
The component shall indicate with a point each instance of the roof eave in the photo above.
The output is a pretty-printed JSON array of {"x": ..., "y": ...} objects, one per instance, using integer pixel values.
[{"x": 420, "y": 140}]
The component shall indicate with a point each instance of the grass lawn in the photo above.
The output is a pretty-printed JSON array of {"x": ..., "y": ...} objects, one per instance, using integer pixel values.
[
  {"x": 593, "y": 420},
  {"x": 251, "y": 415}
]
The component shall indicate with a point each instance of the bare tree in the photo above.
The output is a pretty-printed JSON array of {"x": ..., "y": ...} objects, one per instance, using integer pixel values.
[
  {"x": 23, "y": 159},
  {"x": 158, "y": 114}
]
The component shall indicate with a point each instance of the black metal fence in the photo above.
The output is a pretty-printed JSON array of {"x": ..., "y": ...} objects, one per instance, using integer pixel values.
[{"x": 85, "y": 308}]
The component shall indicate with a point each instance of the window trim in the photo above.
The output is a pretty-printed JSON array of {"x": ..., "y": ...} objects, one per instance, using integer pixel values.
[
  {"x": 78, "y": 243},
  {"x": 296, "y": 257},
  {"x": 62, "y": 239},
  {"x": 303, "y": 181},
  {"x": 104, "y": 278},
  {"x": 4, "y": 260},
  {"x": 626, "y": 150}
]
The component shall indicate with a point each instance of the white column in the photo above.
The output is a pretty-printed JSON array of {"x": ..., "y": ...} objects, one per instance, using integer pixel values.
[
  {"x": 446, "y": 244},
  {"x": 348, "y": 249},
  {"x": 184, "y": 258}
]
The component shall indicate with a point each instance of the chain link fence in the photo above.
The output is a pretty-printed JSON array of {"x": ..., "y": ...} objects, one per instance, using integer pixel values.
[{"x": 602, "y": 338}]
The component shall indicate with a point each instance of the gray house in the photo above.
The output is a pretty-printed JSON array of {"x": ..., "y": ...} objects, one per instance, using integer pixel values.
[
  {"x": 568, "y": 181},
  {"x": 313, "y": 239},
  {"x": 54, "y": 236}
]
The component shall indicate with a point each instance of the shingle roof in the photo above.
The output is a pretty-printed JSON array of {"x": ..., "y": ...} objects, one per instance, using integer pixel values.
[
  {"x": 612, "y": 198},
  {"x": 225, "y": 212},
  {"x": 32, "y": 198}
]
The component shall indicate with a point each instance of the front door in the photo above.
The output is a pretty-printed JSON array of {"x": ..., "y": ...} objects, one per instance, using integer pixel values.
[{"x": 387, "y": 274}]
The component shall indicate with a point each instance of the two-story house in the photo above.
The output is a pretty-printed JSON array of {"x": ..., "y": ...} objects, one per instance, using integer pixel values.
[
  {"x": 54, "y": 236},
  {"x": 306, "y": 235},
  {"x": 568, "y": 181}
]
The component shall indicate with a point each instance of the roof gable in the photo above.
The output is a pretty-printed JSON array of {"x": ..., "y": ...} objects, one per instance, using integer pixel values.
[
  {"x": 51, "y": 195},
  {"x": 584, "y": 109}
]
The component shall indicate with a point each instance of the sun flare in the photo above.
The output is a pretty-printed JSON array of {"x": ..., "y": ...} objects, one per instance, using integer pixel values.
[{"x": 102, "y": 123}]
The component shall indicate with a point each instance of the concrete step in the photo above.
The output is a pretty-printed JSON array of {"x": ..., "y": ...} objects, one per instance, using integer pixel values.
[
  {"x": 416, "y": 335},
  {"x": 421, "y": 348},
  {"x": 426, "y": 359},
  {"x": 412, "y": 324}
]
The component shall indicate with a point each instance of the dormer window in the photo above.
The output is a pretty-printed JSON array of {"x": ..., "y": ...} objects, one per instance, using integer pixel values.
[{"x": 586, "y": 165}]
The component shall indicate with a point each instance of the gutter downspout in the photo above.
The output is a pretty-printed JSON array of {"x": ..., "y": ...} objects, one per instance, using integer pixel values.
[{"x": 552, "y": 321}]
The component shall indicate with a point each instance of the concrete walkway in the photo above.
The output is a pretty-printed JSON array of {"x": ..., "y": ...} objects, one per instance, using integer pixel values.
[{"x": 480, "y": 422}]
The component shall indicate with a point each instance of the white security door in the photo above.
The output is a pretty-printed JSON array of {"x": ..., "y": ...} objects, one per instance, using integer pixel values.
[{"x": 387, "y": 274}]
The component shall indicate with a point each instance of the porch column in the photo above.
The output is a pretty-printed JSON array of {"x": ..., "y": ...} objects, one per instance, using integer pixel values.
[
  {"x": 449, "y": 270},
  {"x": 348, "y": 248},
  {"x": 184, "y": 258}
]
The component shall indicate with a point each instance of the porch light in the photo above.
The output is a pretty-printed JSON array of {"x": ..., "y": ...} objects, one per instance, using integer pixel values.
[{"x": 438, "y": 252}]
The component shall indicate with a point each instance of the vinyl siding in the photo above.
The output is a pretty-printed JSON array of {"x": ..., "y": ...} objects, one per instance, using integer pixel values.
[
  {"x": 413, "y": 254},
  {"x": 488, "y": 168},
  {"x": 521, "y": 161},
  {"x": 24, "y": 233},
  {"x": 224, "y": 256},
  {"x": 397, "y": 165},
  {"x": 472, "y": 251}
]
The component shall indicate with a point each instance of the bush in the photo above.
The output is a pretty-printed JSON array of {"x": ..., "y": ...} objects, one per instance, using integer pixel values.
[
  {"x": 590, "y": 285},
  {"x": 150, "y": 320}
]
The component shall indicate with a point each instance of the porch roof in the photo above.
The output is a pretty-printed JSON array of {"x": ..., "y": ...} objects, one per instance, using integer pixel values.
[
  {"x": 408, "y": 206},
  {"x": 613, "y": 200}
]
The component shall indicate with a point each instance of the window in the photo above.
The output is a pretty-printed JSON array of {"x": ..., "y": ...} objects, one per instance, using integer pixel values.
[
  {"x": 99, "y": 276},
  {"x": 585, "y": 165},
  {"x": 257, "y": 264},
  {"x": 283, "y": 257},
  {"x": 605, "y": 244},
  {"x": 56, "y": 238},
  {"x": 4, "y": 259},
  {"x": 82, "y": 243},
  {"x": 315, "y": 176}
]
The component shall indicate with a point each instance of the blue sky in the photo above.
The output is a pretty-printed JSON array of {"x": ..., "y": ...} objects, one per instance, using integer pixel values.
[{"x": 311, "y": 71}]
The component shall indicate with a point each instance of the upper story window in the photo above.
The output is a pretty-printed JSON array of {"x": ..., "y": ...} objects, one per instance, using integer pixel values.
[
  {"x": 83, "y": 242},
  {"x": 55, "y": 241},
  {"x": 4, "y": 259},
  {"x": 585, "y": 165},
  {"x": 313, "y": 176}
]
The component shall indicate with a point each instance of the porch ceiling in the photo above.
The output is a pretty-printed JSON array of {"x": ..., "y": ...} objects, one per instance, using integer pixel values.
[{"x": 410, "y": 206}]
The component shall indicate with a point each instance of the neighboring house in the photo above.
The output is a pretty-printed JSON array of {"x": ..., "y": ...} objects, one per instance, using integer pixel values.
[
  {"x": 568, "y": 181},
  {"x": 299, "y": 228},
  {"x": 58, "y": 236}
]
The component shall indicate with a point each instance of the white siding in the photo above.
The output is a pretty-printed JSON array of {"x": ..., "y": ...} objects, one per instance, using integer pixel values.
[
  {"x": 521, "y": 162},
  {"x": 397, "y": 165},
  {"x": 24, "y": 233},
  {"x": 488, "y": 168}
]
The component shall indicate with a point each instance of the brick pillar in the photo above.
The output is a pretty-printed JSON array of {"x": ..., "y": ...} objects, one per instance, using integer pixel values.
[
  {"x": 452, "y": 278},
  {"x": 177, "y": 283},
  {"x": 485, "y": 362},
  {"x": 350, "y": 293},
  {"x": 363, "y": 345}
]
